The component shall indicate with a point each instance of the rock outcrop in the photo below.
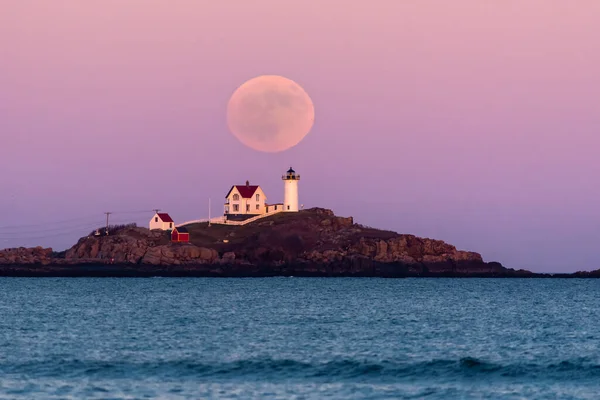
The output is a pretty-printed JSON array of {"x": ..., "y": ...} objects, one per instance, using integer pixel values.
[
  {"x": 22, "y": 255},
  {"x": 312, "y": 242},
  {"x": 587, "y": 274},
  {"x": 137, "y": 246}
]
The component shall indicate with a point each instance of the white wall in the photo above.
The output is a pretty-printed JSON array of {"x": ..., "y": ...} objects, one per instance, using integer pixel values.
[
  {"x": 271, "y": 207},
  {"x": 242, "y": 203},
  {"x": 290, "y": 195},
  {"x": 160, "y": 224}
]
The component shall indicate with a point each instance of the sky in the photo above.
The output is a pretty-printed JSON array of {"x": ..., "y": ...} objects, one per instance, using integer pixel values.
[{"x": 474, "y": 122}]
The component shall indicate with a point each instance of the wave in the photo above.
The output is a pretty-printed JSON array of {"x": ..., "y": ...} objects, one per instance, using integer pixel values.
[{"x": 268, "y": 368}]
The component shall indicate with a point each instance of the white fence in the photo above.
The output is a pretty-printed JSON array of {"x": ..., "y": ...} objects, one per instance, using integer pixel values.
[
  {"x": 216, "y": 220},
  {"x": 249, "y": 220},
  {"x": 223, "y": 221}
]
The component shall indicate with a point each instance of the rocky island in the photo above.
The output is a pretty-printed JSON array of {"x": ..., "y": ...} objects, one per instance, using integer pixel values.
[{"x": 308, "y": 243}]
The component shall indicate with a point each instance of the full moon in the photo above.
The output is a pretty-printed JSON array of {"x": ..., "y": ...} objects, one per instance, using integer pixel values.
[{"x": 270, "y": 113}]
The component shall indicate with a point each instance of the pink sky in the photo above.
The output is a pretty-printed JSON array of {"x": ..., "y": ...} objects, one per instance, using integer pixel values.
[{"x": 470, "y": 121}]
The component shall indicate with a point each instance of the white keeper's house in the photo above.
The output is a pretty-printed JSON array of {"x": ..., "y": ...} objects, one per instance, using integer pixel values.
[
  {"x": 247, "y": 201},
  {"x": 162, "y": 221}
]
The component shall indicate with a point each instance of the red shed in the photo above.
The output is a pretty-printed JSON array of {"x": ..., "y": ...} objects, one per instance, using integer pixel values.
[{"x": 180, "y": 235}]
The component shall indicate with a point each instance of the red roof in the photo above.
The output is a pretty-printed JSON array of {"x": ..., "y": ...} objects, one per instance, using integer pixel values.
[
  {"x": 245, "y": 191},
  {"x": 165, "y": 217}
]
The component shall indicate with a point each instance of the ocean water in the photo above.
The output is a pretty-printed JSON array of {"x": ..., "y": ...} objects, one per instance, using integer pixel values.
[{"x": 296, "y": 338}]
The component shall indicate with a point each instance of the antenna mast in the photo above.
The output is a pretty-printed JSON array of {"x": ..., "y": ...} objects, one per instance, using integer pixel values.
[
  {"x": 107, "y": 215},
  {"x": 209, "y": 211}
]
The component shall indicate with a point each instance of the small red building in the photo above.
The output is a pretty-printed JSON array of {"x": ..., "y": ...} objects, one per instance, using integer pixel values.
[{"x": 180, "y": 235}]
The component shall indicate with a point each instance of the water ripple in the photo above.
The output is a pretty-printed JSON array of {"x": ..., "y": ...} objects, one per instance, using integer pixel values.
[{"x": 299, "y": 338}]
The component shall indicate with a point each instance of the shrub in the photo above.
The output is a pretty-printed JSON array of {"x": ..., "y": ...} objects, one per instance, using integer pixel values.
[
  {"x": 113, "y": 229},
  {"x": 59, "y": 254}
]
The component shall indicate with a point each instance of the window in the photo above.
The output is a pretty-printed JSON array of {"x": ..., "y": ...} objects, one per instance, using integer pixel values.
[
  {"x": 258, "y": 197},
  {"x": 288, "y": 207},
  {"x": 236, "y": 207},
  {"x": 236, "y": 197},
  {"x": 170, "y": 224},
  {"x": 155, "y": 219},
  {"x": 247, "y": 207},
  {"x": 257, "y": 206},
  {"x": 276, "y": 207}
]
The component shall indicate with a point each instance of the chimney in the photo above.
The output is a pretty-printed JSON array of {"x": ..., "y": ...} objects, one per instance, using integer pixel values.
[{"x": 247, "y": 183}]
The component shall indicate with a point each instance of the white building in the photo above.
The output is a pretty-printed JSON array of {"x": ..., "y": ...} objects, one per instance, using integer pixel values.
[
  {"x": 162, "y": 221},
  {"x": 290, "y": 194},
  {"x": 244, "y": 201},
  {"x": 274, "y": 207}
]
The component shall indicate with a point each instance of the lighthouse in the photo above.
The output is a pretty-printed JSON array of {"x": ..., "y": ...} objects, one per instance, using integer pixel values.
[{"x": 290, "y": 196}]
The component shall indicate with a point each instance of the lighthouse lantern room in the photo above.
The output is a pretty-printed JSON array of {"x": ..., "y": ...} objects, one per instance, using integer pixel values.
[{"x": 290, "y": 199}]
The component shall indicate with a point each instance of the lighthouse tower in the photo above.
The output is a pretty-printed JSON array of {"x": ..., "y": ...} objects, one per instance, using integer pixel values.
[{"x": 290, "y": 197}]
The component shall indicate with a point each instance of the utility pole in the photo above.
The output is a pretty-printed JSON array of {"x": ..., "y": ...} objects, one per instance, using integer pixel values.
[
  {"x": 209, "y": 211},
  {"x": 107, "y": 214}
]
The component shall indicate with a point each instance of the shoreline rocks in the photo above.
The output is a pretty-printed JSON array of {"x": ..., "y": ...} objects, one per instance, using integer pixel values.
[{"x": 311, "y": 242}]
